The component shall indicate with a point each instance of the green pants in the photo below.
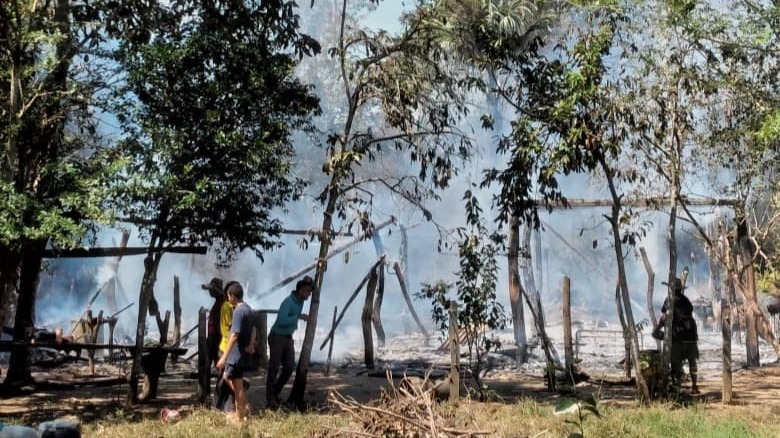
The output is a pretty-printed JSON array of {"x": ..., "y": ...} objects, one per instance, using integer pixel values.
[{"x": 684, "y": 350}]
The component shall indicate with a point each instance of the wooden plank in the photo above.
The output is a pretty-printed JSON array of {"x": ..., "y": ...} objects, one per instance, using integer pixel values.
[
  {"x": 643, "y": 202},
  {"x": 11, "y": 345},
  {"x": 117, "y": 251}
]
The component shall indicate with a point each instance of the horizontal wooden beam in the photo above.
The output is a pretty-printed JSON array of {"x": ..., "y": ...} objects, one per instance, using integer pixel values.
[
  {"x": 643, "y": 202},
  {"x": 117, "y": 251},
  {"x": 312, "y": 233}
]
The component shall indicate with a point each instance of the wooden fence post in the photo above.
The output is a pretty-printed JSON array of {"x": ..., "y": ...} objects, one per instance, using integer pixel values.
[
  {"x": 366, "y": 320},
  {"x": 725, "y": 324},
  {"x": 454, "y": 355},
  {"x": 567, "y": 348},
  {"x": 176, "y": 312},
  {"x": 204, "y": 361}
]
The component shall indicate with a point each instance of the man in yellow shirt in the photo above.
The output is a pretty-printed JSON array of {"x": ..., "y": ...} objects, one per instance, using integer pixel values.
[{"x": 223, "y": 397}]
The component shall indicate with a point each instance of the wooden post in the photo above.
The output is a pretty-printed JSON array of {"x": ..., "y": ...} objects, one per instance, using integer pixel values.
[
  {"x": 262, "y": 338},
  {"x": 330, "y": 347},
  {"x": 111, "y": 326},
  {"x": 352, "y": 298},
  {"x": 93, "y": 325},
  {"x": 366, "y": 320},
  {"x": 567, "y": 348},
  {"x": 376, "y": 318},
  {"x": 204, "y": 362},
  {"x": 176, "y": 312},
  {"x": 164, "y": 328},
  {"x": 725, "y": 324},
  {"x": 454, "y": 355}
]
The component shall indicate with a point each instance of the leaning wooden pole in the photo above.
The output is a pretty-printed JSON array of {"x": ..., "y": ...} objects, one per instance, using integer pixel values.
[
  {"x": 330, "y": 345},
  {"x": 402, "y": 282},
  {"x": 376, "y": 317},
  {"x": 650, "y": 289},
  {"x": 290, "y": 278}
]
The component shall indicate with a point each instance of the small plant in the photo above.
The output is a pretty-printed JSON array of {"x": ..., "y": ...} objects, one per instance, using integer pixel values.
[
  {"x": 474, "y": 291},
  {"x": 581, "y": 406}
]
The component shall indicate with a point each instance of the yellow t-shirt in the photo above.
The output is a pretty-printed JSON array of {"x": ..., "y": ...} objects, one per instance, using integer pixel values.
[{"x": 225, "y": 320}]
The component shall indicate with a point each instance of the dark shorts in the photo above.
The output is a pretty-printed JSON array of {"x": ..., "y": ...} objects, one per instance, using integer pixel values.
[
  {"x": 234, "y": 371},
  {"x": 684, "y": 351}
]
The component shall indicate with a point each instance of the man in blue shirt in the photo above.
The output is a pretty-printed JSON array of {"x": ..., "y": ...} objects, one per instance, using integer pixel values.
[
  {"x": 280, "y": 340},
  {"x": 240, "y": 348}
]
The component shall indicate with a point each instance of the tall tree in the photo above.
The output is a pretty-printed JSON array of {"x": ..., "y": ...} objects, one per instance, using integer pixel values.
[
  {"x": 212, "y": 104},
  {"x": 413, "y": 103},
  {"x": 478, "y": 34},
  {"x": 703, "y": 91},
  {"x": 48, "y": 173}
]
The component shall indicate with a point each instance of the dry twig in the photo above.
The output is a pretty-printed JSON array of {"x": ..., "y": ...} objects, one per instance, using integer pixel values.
[{"x": 408, "y": 410}]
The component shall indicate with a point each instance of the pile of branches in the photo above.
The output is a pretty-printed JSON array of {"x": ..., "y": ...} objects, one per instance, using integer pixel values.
[{"x": 409, "y": 410}]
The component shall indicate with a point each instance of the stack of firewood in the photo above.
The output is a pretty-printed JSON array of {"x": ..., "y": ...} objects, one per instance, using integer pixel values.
[{"x": 407, "y": 410}]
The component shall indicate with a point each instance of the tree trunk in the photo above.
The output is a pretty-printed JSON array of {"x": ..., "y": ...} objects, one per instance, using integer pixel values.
[
  {"x": 19, "y": 372},
  {"x": 534, "y": 302},
  {"x": 9, "y": 277},
  {"x": 302, "y": 370},
  {"x": 628, "y": 362},
  {"x": 749, "y": 290},
  {"x": 151, "y": 262},
  {"x": 672, "y": 242},
  {"x": 515, "y": 289},
  {"x": 631, "y": 336}
]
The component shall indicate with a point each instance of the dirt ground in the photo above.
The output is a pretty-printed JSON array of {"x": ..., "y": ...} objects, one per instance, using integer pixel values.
[{"x": 178, "y": 388}]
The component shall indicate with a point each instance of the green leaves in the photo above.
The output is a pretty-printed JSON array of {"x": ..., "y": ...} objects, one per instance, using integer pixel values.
[
  {"x": 214, "y": 105},
  {"x": 580, "y": 405}
]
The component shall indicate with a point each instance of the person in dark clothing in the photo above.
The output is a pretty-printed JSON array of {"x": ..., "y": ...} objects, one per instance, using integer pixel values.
[
  {"x": 213, "y": 337},
  {"x": 240, "y": 349},
  {"x": 684, "y": 335},
  {"x": 280, "y": 341}
]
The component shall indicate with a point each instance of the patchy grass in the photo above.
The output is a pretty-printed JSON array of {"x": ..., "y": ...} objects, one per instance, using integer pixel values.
[
  {"x": 206, "y": 423},
  {"x": 526, "y": 418}
]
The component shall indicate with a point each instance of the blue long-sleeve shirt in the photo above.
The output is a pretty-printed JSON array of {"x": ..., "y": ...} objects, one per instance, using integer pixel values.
[{"x": 287, "y": 318}]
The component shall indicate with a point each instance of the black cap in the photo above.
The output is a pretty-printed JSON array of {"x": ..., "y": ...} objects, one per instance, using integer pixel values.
[{"x": 305, "y": 281}]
